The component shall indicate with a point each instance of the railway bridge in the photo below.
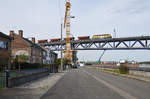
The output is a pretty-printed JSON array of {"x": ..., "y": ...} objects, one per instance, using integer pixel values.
[{"x": 125, "y": 43}]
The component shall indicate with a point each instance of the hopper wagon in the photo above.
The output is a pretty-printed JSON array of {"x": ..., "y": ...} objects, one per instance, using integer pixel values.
[{"x": 84, "y": 38}]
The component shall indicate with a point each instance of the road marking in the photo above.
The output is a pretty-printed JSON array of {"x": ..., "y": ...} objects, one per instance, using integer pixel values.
[{"x": 118, "y": 90}]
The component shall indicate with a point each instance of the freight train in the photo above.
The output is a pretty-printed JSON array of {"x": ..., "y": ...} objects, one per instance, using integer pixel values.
[{"x": 81, "y": 38}]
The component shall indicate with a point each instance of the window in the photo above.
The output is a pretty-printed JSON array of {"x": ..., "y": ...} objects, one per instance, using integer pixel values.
[{"x": 3, "y": 44}]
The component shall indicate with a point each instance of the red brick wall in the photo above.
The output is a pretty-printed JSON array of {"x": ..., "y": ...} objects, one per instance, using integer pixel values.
[
  {"x": 5, "y": 54},
  {"x": 20, "y": 44}
]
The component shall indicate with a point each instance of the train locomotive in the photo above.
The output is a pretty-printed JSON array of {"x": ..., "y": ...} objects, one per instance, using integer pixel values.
[{"x": 102, "y": 36}]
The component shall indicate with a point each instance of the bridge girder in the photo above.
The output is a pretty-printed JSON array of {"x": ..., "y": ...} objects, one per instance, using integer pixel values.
[{"x": 131, "y": 43}]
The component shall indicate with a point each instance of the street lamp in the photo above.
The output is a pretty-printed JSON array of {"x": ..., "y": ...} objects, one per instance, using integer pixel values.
[{"x": 61, "y": 47}]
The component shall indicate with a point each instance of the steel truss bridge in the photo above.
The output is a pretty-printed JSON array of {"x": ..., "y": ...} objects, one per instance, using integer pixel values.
[{"x": 127, "y": 43}]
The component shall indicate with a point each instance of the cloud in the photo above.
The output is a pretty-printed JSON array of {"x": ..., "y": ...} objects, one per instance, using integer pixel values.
[
  {"x": 129, "y": 17},
  {"x": 128, "y": 6},
  {"x": 41, "y": 18}
]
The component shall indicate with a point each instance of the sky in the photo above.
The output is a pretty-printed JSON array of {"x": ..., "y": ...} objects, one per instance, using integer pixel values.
[{"x": 42, "y": 18}]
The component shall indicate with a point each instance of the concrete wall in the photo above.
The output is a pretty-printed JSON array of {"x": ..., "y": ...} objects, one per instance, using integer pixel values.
[
  {"x": 140, "y": 73},
  {"x": 23, "y": 79}
]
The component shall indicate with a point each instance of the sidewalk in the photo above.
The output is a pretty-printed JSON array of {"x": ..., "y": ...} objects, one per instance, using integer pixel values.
[{"x": 32, "y": 90}]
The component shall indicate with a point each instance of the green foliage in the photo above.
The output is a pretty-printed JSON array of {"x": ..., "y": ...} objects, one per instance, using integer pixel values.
[
  {"x": 2, "y": 67},
  {"x": 21, "y": 59},
  {"x": 49, "y": 65},
  {"x": 123, "y": 69},
  {"x": 25, "y": 66},
  {"x": 58, "y": 61},
  {"x": 21, "y": 62},
  {"x": 65, "y": 61},
  {"x": 15, "y": 66}
]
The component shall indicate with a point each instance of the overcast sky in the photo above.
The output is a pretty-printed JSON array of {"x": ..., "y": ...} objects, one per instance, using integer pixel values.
[{"x": 42, "y": 18}]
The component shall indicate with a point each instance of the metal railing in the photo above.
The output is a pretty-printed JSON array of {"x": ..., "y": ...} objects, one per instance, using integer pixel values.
[{"x": 2, "y": 79}]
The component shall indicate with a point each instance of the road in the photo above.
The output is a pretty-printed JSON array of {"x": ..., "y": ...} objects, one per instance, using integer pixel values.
[
  {"x": 82, "y": 83},
  {"x": 85, "y": 83}
]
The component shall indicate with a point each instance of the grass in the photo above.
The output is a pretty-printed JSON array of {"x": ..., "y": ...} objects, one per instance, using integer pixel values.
[
  {"x": 112, "y": 70},
  {"x": 116, "y": 72},
  {"x": 109, "y": 70},
  {"x": 2, "y": 83},
  {"x": 2, "y": 80}
]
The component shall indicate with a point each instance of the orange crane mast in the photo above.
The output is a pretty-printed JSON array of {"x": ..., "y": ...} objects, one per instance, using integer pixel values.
[{"x": 68, "y": 51}]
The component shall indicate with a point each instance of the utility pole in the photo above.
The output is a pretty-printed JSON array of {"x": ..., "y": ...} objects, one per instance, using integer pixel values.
[
  {"x": 114, "y": 33},
  {"x": 61, "y": 49}
]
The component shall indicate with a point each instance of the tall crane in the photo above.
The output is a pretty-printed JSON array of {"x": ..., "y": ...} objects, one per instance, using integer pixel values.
[{"x": 68, "y": 51}]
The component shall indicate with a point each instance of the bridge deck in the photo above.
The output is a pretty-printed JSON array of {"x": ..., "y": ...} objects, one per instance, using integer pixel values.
[{"x": 126, "y": 43}]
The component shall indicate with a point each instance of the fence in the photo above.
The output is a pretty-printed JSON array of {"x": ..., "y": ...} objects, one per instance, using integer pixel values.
[
  {"x": 17, "y": 77},
  {"x": 2, "y": 79}
]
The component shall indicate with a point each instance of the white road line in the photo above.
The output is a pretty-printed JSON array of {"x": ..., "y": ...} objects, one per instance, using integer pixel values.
[{"x": 118, "y": 90}]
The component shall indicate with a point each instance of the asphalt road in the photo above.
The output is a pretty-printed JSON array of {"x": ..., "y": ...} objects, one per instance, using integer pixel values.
[
  {"x": 87, "y": 83},
  {"x": 82, "y": 83}
]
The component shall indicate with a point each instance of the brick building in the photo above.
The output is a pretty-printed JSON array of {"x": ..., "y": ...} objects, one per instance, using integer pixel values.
[
  {"x": 23, "y": 46},
  {"x": 5, "y": 50}
]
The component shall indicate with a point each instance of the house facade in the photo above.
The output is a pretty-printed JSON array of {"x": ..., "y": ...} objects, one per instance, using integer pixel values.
[
  {"x": 23, "y": 46},
  {"x": 5, "y": 51},
  {"x": 50, "y": 57},
  {"x": 53, "y": 57}
]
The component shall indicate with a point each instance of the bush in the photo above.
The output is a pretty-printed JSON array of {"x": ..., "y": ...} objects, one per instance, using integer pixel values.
[
  {"x": 15, "y": 66},
  {"x": 2, "y": 67},
  {"x": 30, "y": 66},
  {"x": 49, "y": 65},
  {"x": 123, "y": 69},
  {"x": 88, "y": 63}
]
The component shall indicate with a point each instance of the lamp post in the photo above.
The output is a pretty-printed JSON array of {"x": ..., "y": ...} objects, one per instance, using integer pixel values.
[
  {"x": 114, "y": 33},
  {"x": 61, "y": 48}
]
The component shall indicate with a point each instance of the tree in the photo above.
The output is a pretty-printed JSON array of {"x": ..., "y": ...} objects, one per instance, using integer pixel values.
[
  {"x": 65, "y": 61},
  {"x": 58, "y": 61},
  {"x": 21, "y": 59}
]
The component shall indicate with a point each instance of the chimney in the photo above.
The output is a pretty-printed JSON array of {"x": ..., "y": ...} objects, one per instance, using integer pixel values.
[
  {"x": 20, "y": 33},
  {"x": 33, "y": 40},
  {"x": 11, "y": 33}
]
